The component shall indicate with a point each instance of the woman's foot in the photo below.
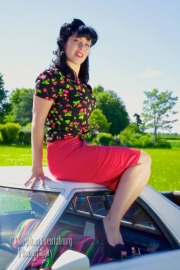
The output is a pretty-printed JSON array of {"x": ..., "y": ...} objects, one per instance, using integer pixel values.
[
  {"x": 112, "y": 233},
  {"x": 114, "y": 237},
  {"x": 117, "y": 251}
]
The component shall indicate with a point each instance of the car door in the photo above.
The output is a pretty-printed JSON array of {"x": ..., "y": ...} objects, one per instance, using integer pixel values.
[
  {"x": 157, "y": 261},
  {"x": 157, "y": 249},
  {"x": 75, "y": 230}
]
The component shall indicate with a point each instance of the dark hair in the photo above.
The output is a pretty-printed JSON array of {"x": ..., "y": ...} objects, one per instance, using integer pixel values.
[{"x": 67, "y": 30}]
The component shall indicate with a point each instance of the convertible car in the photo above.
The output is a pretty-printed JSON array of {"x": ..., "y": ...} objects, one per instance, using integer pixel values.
[{"x": 52, "y": 227}]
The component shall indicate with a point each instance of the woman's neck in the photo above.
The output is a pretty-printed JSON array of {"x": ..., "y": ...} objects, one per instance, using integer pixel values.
[{"x": 74, "y": 67}]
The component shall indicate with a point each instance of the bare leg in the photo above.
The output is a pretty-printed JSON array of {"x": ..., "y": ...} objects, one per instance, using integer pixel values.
[{"x": 130, "y": 186}]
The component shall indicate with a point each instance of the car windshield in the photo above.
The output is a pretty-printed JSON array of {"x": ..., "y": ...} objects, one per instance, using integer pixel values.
[{"x": 19, "y": 206}]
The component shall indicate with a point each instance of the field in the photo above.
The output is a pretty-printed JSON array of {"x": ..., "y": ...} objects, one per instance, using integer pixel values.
[
  {"x": 165, "y": 164},
  {"x": 165, "y": 169},
  {"x": 175, "y": 143}
]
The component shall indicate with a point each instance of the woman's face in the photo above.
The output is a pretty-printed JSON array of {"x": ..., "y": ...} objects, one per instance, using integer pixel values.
[{"x": 76, "y": 49}]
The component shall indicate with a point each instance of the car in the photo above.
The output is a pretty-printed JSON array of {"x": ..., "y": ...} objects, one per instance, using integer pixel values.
[{"x": 52, "y": 227}]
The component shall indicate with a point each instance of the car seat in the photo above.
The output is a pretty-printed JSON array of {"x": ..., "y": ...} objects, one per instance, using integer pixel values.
[{"x": 57, "y": 242}]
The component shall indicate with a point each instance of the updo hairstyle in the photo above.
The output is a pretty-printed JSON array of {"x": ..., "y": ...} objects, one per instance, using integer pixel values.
[{"x": 67, "y": 30}]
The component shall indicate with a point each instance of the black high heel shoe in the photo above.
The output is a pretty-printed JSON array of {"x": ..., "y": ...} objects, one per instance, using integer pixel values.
[{"x": 115, "y": 252}]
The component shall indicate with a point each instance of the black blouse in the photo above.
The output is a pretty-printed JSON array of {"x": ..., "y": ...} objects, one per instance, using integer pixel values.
[{"x": 72, "y": 106}]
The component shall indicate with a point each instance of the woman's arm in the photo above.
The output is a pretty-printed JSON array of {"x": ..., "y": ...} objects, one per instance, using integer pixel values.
[{"x": 41, "y": 108}]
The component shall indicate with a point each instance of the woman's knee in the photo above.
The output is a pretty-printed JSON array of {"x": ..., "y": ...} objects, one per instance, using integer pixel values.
[{"x": 144, "y": 158}]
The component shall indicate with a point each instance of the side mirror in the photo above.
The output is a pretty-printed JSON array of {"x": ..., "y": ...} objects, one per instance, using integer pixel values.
[{"x": 71, "y": 260}]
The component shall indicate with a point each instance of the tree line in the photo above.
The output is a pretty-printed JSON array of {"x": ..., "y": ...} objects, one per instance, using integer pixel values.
[{"x": 110, "y": 122}]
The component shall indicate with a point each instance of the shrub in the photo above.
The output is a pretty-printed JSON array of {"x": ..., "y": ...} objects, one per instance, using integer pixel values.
[
  {"x": 25, "y": 134},
  {"x": 4, "y": 132},
  {"x": 27, "y": 127},
  {"x": 130, "y": 137},
  {"x": 146, "y": 140},
  {"x": 1, "y": 138},
  {"x": 104, "y": 139},
  {"x": 175, "y": 143},
  {"x": 9, "y": 132},
  {"x": 24, "y": 137},
  {"x": 161, "y": 143},
  {"x": 116, "y": 141}
]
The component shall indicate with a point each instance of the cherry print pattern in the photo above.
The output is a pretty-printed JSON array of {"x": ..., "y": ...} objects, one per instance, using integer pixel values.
[{"x": 72, "y": 106}]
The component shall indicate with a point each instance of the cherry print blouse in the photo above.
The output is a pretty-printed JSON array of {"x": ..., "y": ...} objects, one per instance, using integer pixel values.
[{"x": 72, "y": 106}]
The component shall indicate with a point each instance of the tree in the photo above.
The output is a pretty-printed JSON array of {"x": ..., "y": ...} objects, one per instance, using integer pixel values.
[
  {"x": 5, "y": 106},
  {"x": 22, "y": 102},
  {"x": 98, "y": 121},
  {"x": 98, "y": 89},
  {"x": 113, "y": 108},
  {"x": 157, "y": 109},
  {"x": 138, "y": 121}
]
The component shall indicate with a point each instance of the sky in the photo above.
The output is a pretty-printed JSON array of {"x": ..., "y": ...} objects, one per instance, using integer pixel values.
[{"x": 138, "y": 47}]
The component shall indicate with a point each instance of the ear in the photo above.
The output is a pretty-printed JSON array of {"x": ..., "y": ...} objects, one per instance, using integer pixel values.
[{"x": 64, "y": 45}]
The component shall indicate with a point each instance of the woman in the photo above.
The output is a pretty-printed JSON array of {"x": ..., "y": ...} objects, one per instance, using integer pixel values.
[{"x": 64, "y": 100}]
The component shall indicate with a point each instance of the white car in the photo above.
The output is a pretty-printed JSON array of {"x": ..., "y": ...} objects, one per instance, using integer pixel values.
[{"x": 52, "y": 227}]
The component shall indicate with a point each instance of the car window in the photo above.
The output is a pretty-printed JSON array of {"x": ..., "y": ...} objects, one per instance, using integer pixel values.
[
  {"x": 99, "y": 205},
  {"x": 81, "y": 204},
  {"x": 21, "y": 211},
  {"x": 14, "y": 201},
  {"x": 137, "y": 216}
]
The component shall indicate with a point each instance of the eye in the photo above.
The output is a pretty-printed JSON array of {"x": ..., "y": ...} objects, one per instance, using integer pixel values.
[
  {"x": 76, "y": 40},
  {"x": 88, "y": 45}
]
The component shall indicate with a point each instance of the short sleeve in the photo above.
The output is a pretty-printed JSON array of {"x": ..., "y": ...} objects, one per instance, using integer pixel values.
[
  {"x": 89, "y": 87},
  {"x": 46, "y": 85}
]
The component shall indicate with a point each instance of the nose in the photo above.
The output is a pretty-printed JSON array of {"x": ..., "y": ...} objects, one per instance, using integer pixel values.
[{"x": 81, "y": 45}]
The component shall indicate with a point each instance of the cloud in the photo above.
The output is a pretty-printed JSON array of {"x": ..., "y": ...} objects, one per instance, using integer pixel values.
[{"x": 150, "y": 73}]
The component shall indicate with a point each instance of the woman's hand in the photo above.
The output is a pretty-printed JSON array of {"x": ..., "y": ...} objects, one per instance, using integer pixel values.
[{"x": 37, "y": 175}]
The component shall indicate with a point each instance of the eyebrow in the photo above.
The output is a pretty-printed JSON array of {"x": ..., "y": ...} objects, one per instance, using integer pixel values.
[{"x": 87, "y": 40}]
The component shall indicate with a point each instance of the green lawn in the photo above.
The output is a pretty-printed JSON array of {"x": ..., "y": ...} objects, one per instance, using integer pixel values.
[
  {"x": 165, "y": 164},
  {"x": 165, "y": 169},
  {"x": 17, "y": 156}
]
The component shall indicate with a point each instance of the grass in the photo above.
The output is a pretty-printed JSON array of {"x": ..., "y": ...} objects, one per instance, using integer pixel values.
[
  {"x": 17, "y": 156},
  {"x": 165, "y": 169},
  {"x": 165, "y": 164}
]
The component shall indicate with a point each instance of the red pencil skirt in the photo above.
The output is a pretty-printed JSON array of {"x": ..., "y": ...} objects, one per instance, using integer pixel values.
[{"x": 74, "y": 160}]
